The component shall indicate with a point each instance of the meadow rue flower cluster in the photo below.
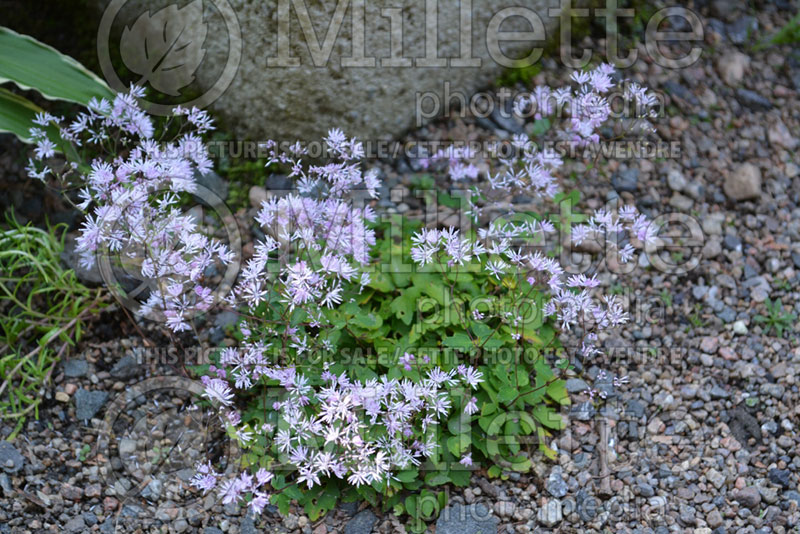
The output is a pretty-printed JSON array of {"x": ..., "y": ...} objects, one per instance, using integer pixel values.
[
  {"x": 324, "y": 236},
  {"x": 322, "y": 430},
  {"x": 307, "y": 421},
  {"x": 359, "y": 431},
  {"x": 131, "y": 197},
  {"x": 571, "y": 298},
  {"x": 578, "y": 112},
  {"x": 459, "y": 162}
]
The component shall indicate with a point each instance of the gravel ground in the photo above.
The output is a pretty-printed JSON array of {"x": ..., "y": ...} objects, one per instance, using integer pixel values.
[{"x": 703, "y": 439}]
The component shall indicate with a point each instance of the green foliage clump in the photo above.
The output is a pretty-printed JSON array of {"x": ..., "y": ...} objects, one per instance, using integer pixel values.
[{"x": 43, "y": 308}]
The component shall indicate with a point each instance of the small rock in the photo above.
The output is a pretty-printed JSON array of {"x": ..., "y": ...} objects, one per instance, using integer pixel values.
[
  {"x": 712, "y": 248},
  {"x": 714, "y": 519},
  {"x": 291, "y": 522},
  {"x": 504, "y": 508},
  {"x": 740, "y": 30},
  {"x": 550, "y": 514},
  {"x": 732, "y": 242},
  {"x": 110, "y": 504},
  {"x": 460, "y": 519},
  {"x": 749, "y": 497},
  {"x": 555, "y": 484},
  {"x": 732, "y": 66},
  {"x": 678, "y": 90},
  {"x": 753, "y": 100},
  {"x": 646, "y": 490},
  {"x": 655, "y": 426},
  {"x": 248, "y": 525},
  {"x": 626, "y": 180},
  {"x": 127, "y": 367},
  {"x": 152, "y": 492},
  {"x": 676, "y": 180},
  {"x": 88, "y": 403},
  {"x": 583, "y": 411},
  {"x": 698, "y": 292},
  {"x": 743, "y": 183},
  {"x": 635, "y": 408},
  {"x": 61, "y": 396},
  {"x": 687, "y": 514},
  {"x": 75, "y": 368},
  {"x": 71, "y": 493},
  {"x": 716, "y": 478},
  {"x": 727, "y": 314},
  {"x": 11, "y": 461},
  {"x": 257, "y": 195},
  {"x": 739, "y": 328},
  {"x": 5, "y": 485},
  {"x": 712, "y": 224},
  {"x": 126, "y": 446},
  {"x": 76, "y": 524},
  {"x": 576, "y": 385},
  {"x": 213, "y": 182},
  {"x": 362, "y": 523},
  {"x": 681, "y": 202},
  {"x": 718, "y": 393},
  {"x": 773, "y": 390},
  {"x": 709, "y": 344},
  {"x": 768, "y": 494},
  {"x": 93, "y": 490},
  {"x": 780, "y": 477},
  {"x": 792, "y": 495},
  {"x": 778, "y": 134}
]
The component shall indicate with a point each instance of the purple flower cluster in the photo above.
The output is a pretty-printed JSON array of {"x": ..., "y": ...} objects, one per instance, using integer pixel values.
[
  {"x": 318, "y": 235},
  {"x": 532, "y": 170},
  {"x": 362, "y": 432},
  {"x": 313, "y": 260},
  {"x": 133, "y": 197}
]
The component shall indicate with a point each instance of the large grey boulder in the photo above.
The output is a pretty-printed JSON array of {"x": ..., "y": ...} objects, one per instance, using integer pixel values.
[{"x": 368, "y": 85}]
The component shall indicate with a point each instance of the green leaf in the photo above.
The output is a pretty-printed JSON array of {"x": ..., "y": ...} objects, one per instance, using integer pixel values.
[
  {"x": 494, "y": 471},
  {"x": 17, "y": 114},
  {"x": 458, "y": 445},
  {"x": 521, "y": 464},
  {"x": 548, "y": 417},
  {"x": 460, "y": 477},
  {"x": 31, "y": 64},
  {"x": 382, "y": 282},
  {"x": 459, "y": 340},
  {"x": 534, "y": 397},
  {"x": 401, "y": 274},
  {"x": 282, "y": 501},
  {"x": 367, "y": 320},
  {"x": 411, "y": 505},
  {"x": 507, "y": 394},
  {"x": 445, "y": 199},
  {"x": 408, "y": 475},
  {"x": 540, "y": 127},
  {"x": 404, "y": 306},
  {"x": 557, "y": 391},
  {"x": 293, "y": 492},
  {"x": 437, "y": 478},
  {"x": 454, "y": 446},
  {"x": 428, "y": 508}
]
